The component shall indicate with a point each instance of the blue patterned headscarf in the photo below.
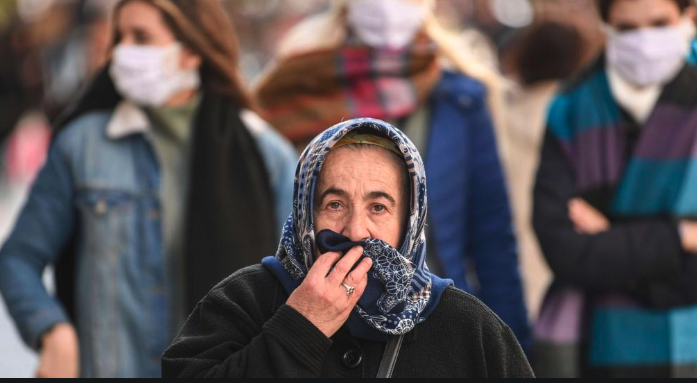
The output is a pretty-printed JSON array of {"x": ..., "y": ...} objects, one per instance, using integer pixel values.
[{"x": 401, "y": 292}]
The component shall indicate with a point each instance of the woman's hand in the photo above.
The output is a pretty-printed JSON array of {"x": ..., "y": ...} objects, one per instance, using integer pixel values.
[
  {"x": 586, "y": 218},
  {"x": 322, "y": 297},
  {"x": 59, "y": 354},
  {"x": 688, "y": 233}
]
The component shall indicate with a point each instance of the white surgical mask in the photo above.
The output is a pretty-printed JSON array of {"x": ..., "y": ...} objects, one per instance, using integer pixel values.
[
  {"x": 150, "y": 76},
  {"x": 650, "y": 57},
  {"x": 386, "y": 23}
]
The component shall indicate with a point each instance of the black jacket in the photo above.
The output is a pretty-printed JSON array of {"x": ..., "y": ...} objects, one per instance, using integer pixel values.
[
  {"x": 642, "y": 257},
  {"x": 244, "y": 329}
]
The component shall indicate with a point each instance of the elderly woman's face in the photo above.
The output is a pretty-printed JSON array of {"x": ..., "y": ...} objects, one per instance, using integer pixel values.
[{"x": 361, "y": 194}]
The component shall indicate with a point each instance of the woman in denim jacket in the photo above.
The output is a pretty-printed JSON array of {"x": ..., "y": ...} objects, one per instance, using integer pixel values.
[{"x": 160, "y": 182}]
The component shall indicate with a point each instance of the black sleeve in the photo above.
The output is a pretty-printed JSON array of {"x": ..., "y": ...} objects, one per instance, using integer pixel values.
[
  {"x": 674, "y": 290},
  {"x": 504, "y": 357},
  {"x": 224, "y": 339},
  {"x": 630, "y": 254}
]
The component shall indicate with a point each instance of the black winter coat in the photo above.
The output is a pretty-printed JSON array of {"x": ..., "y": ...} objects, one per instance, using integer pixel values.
[{"x": 244, "y": 329}]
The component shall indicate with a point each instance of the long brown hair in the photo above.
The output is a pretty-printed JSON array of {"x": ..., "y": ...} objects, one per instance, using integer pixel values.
[{"x": 203, "y": 27}]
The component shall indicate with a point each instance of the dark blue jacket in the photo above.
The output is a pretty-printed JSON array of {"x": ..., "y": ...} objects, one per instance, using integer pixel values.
[{"x": 470, "y": 216}]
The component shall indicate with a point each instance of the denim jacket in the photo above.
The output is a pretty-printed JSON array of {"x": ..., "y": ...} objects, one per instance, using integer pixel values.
[{"x": 102, "y": 172}]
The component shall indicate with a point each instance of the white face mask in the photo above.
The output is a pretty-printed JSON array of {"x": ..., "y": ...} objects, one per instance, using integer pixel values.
[
  {"x": 650, "y": 57},
  {"x": 150, "y": 76},
  {"x": 386, "y": 23}
]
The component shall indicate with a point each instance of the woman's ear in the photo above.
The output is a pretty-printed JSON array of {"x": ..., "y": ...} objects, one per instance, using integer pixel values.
[
  {"x": 691, "y": 13},
  {"x": 190, "y": 60}
]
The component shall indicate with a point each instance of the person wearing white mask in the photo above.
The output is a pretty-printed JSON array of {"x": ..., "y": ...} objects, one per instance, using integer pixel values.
[
  {"x": 391, "y": 60},
  {"x": 615, "y": 203},
  {"x": 160, "y": 182}
]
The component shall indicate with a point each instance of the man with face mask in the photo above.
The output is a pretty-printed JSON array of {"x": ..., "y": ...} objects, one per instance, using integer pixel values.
[
  {"x": 615, "y": 203},
  {"x": 642, "y": 60}
]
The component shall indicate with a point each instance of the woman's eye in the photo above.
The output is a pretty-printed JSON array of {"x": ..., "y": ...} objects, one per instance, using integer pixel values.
[
  {"x": 622, "y": 28},
  {"x": 141, "y": 38},
  {"x": 334, "y": 205}
]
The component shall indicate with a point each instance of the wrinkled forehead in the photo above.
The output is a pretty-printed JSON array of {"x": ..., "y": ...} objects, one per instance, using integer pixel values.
[
  {"x": 370, "y": 168},
  {"x": 356, "y": 135},
  {"x": 315, "y": 155}
]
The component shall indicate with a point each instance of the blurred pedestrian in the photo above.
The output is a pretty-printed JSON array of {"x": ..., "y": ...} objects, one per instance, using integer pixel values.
[
  {"x": 615, "y": 204},
  {"x": 161, "y": 182},
  {"x": 545, "y": 54},
  {"x": 386, "y": 59}
]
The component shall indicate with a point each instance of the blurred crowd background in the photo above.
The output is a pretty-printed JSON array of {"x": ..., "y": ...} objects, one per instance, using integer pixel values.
[{"x": 49, "y": 49}]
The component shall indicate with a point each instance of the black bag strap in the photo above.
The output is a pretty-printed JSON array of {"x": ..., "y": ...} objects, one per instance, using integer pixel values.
[{"x": 389, "y": 358}]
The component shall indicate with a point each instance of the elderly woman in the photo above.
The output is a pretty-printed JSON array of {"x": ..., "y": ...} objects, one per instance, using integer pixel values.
[
  {"x": 348, "y": 293},
  {"x": 386, "y": 59}
]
